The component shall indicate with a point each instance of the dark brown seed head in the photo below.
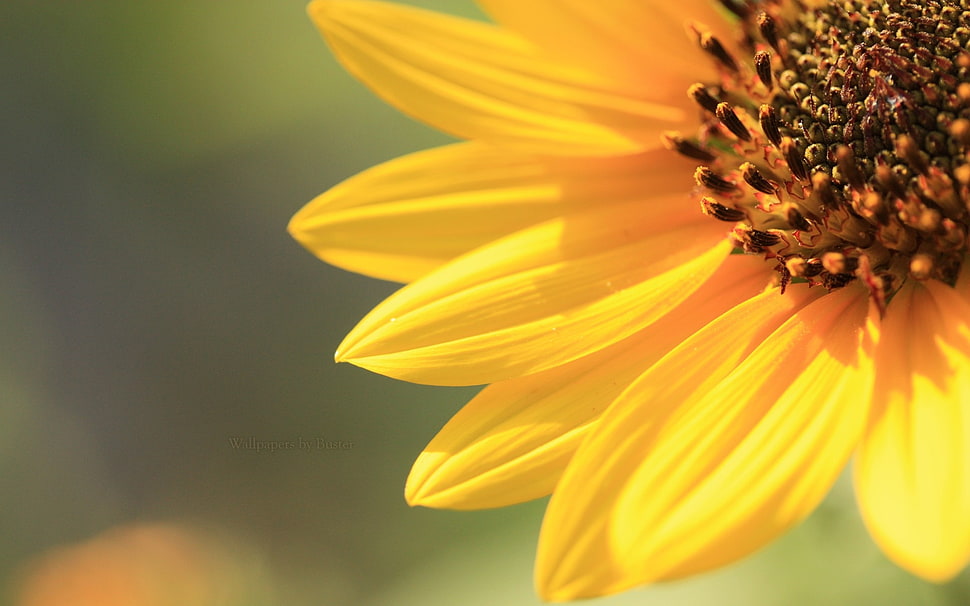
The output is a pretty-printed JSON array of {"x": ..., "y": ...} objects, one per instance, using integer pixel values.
[{"x": 853, "y": 143}]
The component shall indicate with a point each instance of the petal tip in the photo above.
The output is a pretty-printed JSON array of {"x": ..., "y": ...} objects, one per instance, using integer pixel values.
[
  {"x": 938, "y": 567},
  {"x": 550, "y": 588},
  {"x": 318, "y": 9},
  {"x": 416, "y": 498},
  {"x": 942, "y": 574},
  {"x": 327, "y": 15},
  {"x": 414, "y": 485},
  {"x": 297, "y": 229},
  {"x": 554, "y": 579},
  {"x": 420, "y": 491},
  {"x": 348, "y": 349}
]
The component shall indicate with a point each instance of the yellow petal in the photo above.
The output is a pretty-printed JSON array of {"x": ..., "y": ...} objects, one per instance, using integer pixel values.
[
  {"x": 511, "y": 442},
  {"x": 702, "y": 461},
  {"x": 541, "y": 297},
  {"x": 913, "y": 470},
  {"x": 476, "y": 81},
  {"x": 402, "y": 219},
  {"x": 645, "y": 46}
]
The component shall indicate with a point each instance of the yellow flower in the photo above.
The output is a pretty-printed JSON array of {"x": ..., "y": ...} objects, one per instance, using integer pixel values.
[{"x": 683, "y": 405}]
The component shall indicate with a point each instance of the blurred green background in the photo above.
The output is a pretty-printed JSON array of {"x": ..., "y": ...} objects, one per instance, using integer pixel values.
[{"x": 153, "y": 307}]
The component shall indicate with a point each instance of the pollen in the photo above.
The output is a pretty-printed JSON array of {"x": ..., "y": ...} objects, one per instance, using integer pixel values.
[{"x": 837, "y": 138}]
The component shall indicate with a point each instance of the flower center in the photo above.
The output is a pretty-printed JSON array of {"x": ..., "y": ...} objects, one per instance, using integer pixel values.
[{"x": 842, "y": 150}]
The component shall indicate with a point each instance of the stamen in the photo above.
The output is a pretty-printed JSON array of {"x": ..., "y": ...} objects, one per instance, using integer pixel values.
[
  {"x": 834, "y": 281},
  {"x": 871, "y": 206},
  {"x": 822, "y": 185},
  {"x": 796, "y": 266},
  {"x": 887, "y": 179},
  {"x": 837, "y": 263},
  {"x": 813, "y": 268},
  {"x": 725, "y": 113},
  {"x": 753, "y": 177},
  {"x": 762, "y": 67},
  {"x": 713, "y": 47},
  {"x": 699, "y": 93},
  {"x": 769, "y": 30},
  {"x": 769, "y": 124},
  {"x": 740, "y": 9},
  {"x": 963, "y": 92},
  {"x": 959, "y": 129},
  {"x": 848, "y": 171},
  {"x": 763, "y": 238},
  {"x": 713, "y": 208},
  {"x": 796, "y": 163},
  {"x": 929, "y": 220},
  {"x": 907, "y": 149},
  {"x": 796, "y": 219},
  {"x": 675, "y": 142},
  {"x": 706, "y": 177},
  {"x": 755, "y": 240},
  {"x": 921, "y": 267}
]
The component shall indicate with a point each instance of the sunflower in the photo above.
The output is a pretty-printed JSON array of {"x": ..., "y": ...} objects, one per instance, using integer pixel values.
[{"x": 701, "y": 253}]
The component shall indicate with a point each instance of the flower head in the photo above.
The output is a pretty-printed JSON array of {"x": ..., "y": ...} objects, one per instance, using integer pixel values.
[{"x": 702, "y": 253}]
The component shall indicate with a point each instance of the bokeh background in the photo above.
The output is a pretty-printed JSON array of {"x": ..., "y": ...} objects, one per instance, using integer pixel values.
[{"x": 152, "y": 308}]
